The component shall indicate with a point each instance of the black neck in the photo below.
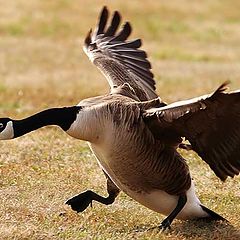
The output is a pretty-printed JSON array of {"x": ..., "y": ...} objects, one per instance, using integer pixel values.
[{"x": 62, "y": 117}]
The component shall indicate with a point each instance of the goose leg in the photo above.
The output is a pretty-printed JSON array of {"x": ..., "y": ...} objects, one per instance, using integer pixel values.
[
  {"x": 80, "y": 202},
  {"x": 167, "y": 221}
]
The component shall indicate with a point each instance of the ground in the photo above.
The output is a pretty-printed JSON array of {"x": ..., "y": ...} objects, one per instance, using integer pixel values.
[{"x": 194, "y": 46}]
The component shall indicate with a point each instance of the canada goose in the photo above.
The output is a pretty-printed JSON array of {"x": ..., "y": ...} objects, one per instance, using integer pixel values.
[{"x": 135, "y": 136}]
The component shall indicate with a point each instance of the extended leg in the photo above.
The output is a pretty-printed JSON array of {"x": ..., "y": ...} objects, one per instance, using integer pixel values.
[
  {"x": 167, "y": 221},
  {"x": 80, "y": 202}
]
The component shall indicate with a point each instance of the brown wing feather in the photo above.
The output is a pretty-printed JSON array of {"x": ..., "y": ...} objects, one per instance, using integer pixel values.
[
  {"x": 118, "y": 59},
  {"x": 212, "y": 126}
]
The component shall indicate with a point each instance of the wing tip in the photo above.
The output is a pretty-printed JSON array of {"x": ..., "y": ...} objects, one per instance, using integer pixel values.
[
  {"x": 115, "y": 22},
  {"x": 105, "y": 8},
  {"x": 221, "y": 89},
  {"x": 102, "y": 21},
  {"x": 104, "y": 12},
  {"x": 224, "y": 86},
  {"x": 124, "y": 33},
  {"x": 117, "y": 15},
  {"x": 88, "y": 38}
]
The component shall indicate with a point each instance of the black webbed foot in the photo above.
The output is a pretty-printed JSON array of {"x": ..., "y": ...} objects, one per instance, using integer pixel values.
[
  {"x": 166, "y": 224},
  {"x": 80, "y": 202}
]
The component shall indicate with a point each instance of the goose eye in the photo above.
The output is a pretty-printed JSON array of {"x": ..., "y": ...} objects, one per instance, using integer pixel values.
[{"x": 1, "y": 125}]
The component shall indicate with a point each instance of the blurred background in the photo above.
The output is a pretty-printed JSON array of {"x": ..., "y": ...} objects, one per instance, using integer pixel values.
[{"x": 193, "y": 46}]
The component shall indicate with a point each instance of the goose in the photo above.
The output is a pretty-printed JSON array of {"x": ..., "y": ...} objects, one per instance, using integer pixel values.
[{"x": 135, "y": 136}]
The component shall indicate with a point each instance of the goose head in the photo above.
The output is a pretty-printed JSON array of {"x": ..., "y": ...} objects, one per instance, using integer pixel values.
[{"x": 6, "y": 129}]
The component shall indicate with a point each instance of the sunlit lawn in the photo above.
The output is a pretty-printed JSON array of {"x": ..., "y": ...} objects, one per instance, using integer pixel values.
[{"x": 193, "y": 45}]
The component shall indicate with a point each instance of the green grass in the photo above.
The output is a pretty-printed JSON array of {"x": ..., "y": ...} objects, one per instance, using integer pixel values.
[{"x": 193, "y": 47}]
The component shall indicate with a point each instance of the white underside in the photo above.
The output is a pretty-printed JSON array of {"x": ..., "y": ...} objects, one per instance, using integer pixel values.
[
  {"x": 161, "y": 202},
  {"x": 158, "y": 201}
]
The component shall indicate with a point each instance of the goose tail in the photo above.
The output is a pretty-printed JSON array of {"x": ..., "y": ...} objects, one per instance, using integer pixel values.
[{"x": 212, "y": 215}]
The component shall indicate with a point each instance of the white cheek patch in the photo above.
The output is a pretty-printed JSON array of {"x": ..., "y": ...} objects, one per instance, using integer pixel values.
[{"x": 8, "y": 132}]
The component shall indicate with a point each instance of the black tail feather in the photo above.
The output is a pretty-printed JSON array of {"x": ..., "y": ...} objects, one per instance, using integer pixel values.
[{"x": 212, "y": 215}]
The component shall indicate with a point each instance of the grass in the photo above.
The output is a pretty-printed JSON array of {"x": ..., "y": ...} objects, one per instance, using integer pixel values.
[{"x": 194, "y": 46}]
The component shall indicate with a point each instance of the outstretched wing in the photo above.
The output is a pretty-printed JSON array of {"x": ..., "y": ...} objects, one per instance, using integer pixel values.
[
  {"x": 120, "y": 60},
  {"x": 211, "y": 124}
]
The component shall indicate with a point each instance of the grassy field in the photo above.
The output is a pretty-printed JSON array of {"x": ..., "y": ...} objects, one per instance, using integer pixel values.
[{"x": 193, "y": 45}]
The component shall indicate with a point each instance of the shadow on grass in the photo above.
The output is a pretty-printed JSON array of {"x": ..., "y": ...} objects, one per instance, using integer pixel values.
[
  {"x": 207, "y": 230},
  {"x": 196, "y": 229}
]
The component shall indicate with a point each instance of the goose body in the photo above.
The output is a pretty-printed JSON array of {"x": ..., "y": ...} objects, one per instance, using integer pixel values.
[
  {"x": 128, "y": 158},
  {"x": 135, "y": 136}
]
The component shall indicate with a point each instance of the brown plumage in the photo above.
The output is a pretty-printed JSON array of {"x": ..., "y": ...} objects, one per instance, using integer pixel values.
[{"x": 152, "y": 164}]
